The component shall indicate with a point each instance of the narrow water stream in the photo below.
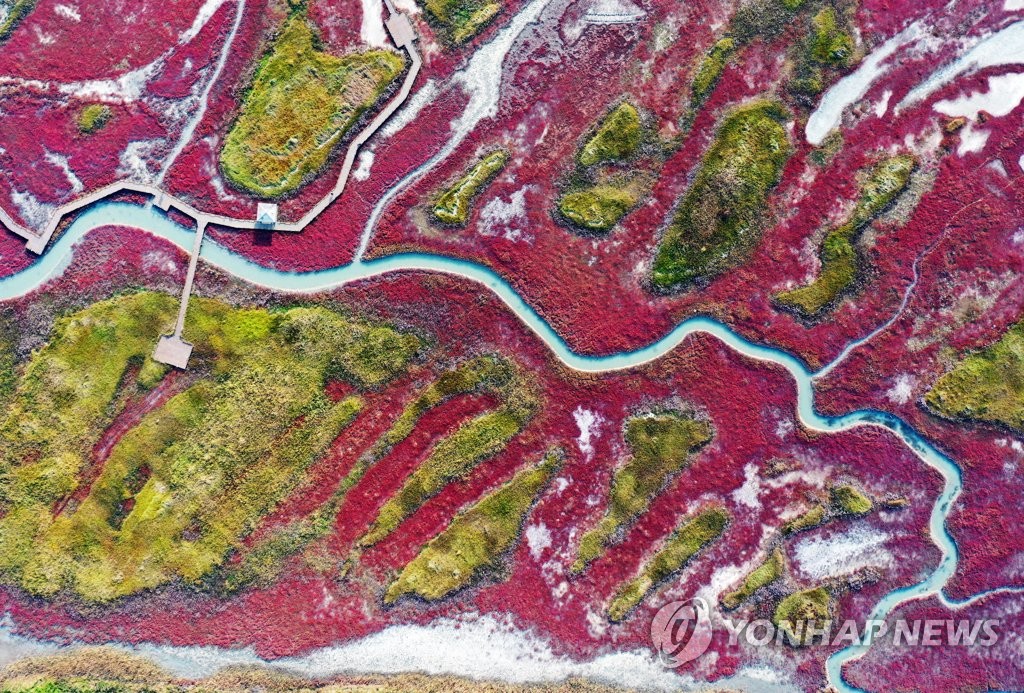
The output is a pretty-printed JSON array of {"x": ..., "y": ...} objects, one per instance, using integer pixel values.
[{"x": 152, "y": 221}]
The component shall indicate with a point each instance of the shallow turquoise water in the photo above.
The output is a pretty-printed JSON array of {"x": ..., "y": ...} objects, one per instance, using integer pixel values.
[{"x": 154, "y": 222}]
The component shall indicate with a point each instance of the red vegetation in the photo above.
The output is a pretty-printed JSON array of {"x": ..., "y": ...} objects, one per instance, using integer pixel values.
[{"x": 750, "y": 405}]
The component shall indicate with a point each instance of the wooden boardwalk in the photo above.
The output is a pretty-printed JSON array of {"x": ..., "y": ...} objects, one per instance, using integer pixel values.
[{"x": 172, "y": 349}]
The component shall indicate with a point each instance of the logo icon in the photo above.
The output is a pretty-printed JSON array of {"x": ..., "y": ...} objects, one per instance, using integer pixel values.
[{"x": 681, "y": 631}]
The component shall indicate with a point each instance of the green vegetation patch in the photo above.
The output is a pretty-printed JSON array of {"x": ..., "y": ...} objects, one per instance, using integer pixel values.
[
  {"x": 662, "y": 446},
  {"x": 483, "y": 374},
  {"x": 180, "y": 490},
  {"x": 762, "y": 576},
  {"x": 683, "y": 545},
  {"x": 710, "y": 71},
  {"x": 454, "y": 204},
  {"x": 93, "y": 117},
  {"x": 987, "y": 385},
  {"x": 829, "y": 46},
  {"x": 759, "y": 19},
  {"x": 840, "y": 261},
  {"x": 12, "y": 12},
  {"x": 617, "y": 138},
  {"x": 598, "y": 196},
  {"x": 799, "y": 610},
  {"x": 600, "y": 207},
  {"x": 719, "y": 219},
  {"x": 848, "y": 500},
  {"x": 300, "y": 105},
  {"x": 828, "y": 43},
  {"x": 461, "y": 20},
  {"x": 476, "y": 539},
  {"x": 809, "y": 520},
  {"x": 454, "y": 457}
]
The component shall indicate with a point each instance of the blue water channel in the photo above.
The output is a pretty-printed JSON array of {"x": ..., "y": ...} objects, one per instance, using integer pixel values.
[{"x": 151, "y": 220}]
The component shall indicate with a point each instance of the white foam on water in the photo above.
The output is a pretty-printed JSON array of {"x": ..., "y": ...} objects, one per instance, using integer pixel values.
[
  {"x": 538, "y": 538},
  {"x": 371, "y": 31},
  {"x": 60, "y": 161},
  {"x": 127, "y": 88},
  {"x": 1004, "y": 47},
  {"x": 472, "y": 646},
  {"x": 410, "y": 110},
  {"x": 407, "y": 6},
  {"x": 481, "y": 78},
  {"x": 35, "y": 213},
  {"x": 1005, "y": 92},
  {"x": 134, "y": 161},
  {"x": 972, "y": 140},
  {"x": 482, "y": 647},
  {"x": 506, "y": 217},
  {"x": 850, "y": 89},
  {"x": 749, "y": 493},
  {"x": 882, "y": 107}
]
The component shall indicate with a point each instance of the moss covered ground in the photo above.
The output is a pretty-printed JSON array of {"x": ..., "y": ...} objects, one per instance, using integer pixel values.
[
  {"x": 16, "y": 10},
  {"x": 461, "y": 20},
  {"x": 260, "y": 565},
  {"x": 93, "y": 117},
  {"x": 762, "y": 576},
  {"x": 618, "y": 137},
  {"x": 710, "y": 70},
  {"x": 684, "y": 544},
  {"x": 179, "y": 490},
  {"x": 608, "y": 182},
  {"x": 848, "y": 500},
  {"x": 599, "y": 207},
  {"x": 840, "y": 261},
  {"x": 301, "y": 103},
  {"x": 797, "y": 611},
  {"x": 454, "y": 204},
  {"x": 476, "y": 539},
  {"x": 826, "y": 43},
  {"x": 719, "y": 219},
  {"x": 987, "y": 385},
  {"x": 828, "y": 47},
  {"x": 809, "y": 520},
  {"x": 662, "y": 445},
  {"x": 474, "y": 442}
]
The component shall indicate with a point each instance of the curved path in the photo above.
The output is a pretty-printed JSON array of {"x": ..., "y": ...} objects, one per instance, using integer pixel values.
[
  {"x": 151, "y": 220},
  {"x": 95, "y": 212},
  {"x": 404, "y": 37}
]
